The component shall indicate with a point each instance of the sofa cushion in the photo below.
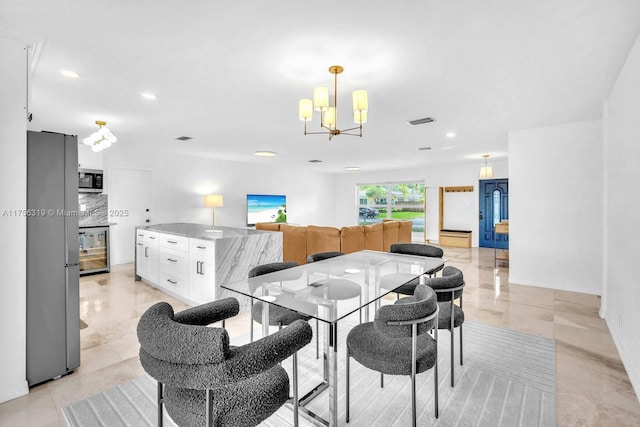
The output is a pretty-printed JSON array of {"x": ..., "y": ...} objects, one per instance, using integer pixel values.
[
  {"x": 268, "y": 226},
  {"x": 352, "y": 239},
  {"x": 373, "y": 237},
  {"x": 389, "y": 234},
  {"x": 404, "y": 231},
  {"x": 322, "y": 239},
  {"x": 294, "y": 243}
]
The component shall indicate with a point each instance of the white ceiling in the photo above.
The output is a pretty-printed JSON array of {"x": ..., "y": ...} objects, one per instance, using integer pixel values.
[{"x": 230, "y": 74}]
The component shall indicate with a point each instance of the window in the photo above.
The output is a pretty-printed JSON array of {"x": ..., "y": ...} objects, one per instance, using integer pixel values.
[
  {"x": 401, "y": 201},
  {"x": 497, "y": 200}
]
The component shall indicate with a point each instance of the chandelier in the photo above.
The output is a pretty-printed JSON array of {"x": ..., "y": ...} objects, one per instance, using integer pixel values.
[
  {"x": 100, "y": 139},
  {"x": 329, "y": 114}
]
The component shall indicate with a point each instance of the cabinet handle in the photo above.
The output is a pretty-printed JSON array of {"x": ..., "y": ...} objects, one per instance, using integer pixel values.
[
  {"x": 141, "y": 235},
  {"x": 152, "y": 238},
  {"x": 202, "y": 267},
  {"x": 171, "y": 241},
  {"x": 139, "y": 244},
  {"x": 146, "y": 252},
  {"x": 201, "y": 247},
  {"x": 172, "y": 260},
  {"x": 197, "y": 267},
  {"x": 173, "y": 282}
]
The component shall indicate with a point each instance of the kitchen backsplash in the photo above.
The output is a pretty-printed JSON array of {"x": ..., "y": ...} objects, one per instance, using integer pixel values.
[{"x": 92, "y": 210}]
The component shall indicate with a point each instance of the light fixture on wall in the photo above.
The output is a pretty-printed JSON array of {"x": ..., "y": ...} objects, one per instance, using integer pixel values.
[
  {"x": 213, "y": 201},
  {"x": 100, "y": 139},
  {"x": 329, "y": 114},
  {"x": 486, "y": 172}
]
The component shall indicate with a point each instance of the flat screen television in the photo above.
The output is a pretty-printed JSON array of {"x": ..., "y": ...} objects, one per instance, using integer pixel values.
[{"x": 266, "y": 208}]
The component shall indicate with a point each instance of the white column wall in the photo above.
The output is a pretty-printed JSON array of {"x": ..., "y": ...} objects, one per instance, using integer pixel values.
[
  {"x": 13, "y": 229},
  {"x": 555, "y": 203},
  {"x": 623, "y": 207}
]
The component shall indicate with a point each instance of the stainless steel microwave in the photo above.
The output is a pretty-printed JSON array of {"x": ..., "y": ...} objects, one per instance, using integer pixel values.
[{"x": 90, "y": 180}]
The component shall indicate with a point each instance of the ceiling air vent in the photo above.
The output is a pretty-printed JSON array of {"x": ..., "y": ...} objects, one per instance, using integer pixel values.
[
  {"x": 424, "y": 148},
  {"x": 421, "y": 121},
  {"x": 315, "y": 161},
  {"x": 184, "y": 138}
]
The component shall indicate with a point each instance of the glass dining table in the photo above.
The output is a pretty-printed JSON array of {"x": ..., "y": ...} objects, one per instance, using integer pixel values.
[{"x": 329, "y": 291}]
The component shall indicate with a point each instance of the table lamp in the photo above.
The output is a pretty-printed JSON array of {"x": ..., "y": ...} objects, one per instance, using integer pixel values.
[{"x": 213, "y": 201}]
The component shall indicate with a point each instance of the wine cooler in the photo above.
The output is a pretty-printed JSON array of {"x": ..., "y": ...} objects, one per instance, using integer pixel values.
[{"x": 94, "y": 249}]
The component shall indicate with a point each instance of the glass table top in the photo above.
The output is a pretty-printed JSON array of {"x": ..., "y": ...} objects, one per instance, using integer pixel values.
[{"x": 331, "y": 289}]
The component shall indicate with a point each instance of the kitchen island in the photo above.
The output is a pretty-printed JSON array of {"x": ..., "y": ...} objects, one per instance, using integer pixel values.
[{"x": 191, "y": 262}]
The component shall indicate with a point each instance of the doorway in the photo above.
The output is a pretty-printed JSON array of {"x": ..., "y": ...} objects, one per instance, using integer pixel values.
[
  {"x": 129, "y": 207},
  {"x": 494, "y": 207}
]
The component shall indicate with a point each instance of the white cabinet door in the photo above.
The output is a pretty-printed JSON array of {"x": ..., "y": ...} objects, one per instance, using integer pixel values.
[
  {"x": 202, "y": 270},
  {"x": 152, "y": 256},
  {"x": 142, "y": 262}
]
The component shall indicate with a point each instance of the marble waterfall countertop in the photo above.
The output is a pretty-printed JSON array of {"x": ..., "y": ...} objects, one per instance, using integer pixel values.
[{"x": 199, "y": 231}]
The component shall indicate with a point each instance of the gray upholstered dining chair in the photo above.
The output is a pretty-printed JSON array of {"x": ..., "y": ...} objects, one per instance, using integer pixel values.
[
  {"x": 448, "y": 288},
  {"x": 416, "y": 249},
  {"x": 278, "y": 316},
  {"x": 202, "y": 380},
  {"x": 323, "y": 255},
  {"x": 397, "y": 342}
]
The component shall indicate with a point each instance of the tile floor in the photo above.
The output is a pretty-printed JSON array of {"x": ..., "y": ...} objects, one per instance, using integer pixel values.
[{"x": 593, "y": 388}]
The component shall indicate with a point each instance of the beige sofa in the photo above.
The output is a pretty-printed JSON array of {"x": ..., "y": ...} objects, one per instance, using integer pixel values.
[{"x": 302, "y": 241}]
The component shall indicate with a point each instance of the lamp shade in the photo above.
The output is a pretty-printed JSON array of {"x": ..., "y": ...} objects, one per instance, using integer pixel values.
[
  {"x": 360, "y": 117},
  {"x": 321, "y": 98},
  {"x": 486, "y": 172},
  {"x": 305, "y": 110},
  {"x": 330, "y": 118},
  {"x": 213, "y": 200},
  {"x": 360, "y": 100}
]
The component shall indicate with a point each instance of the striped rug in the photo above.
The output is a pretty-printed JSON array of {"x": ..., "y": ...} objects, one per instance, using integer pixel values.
[{"x": 508, "y": 379}]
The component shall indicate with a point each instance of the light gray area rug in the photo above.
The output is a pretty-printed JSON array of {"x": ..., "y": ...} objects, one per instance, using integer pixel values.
[{"x": 508, "y": 379}]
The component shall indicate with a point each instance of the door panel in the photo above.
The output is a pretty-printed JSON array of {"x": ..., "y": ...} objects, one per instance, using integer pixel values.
[{"x": 494, "y": 207}]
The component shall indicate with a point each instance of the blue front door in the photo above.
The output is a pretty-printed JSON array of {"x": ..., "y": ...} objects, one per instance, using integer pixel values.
[{"x": 494, "y": 207}]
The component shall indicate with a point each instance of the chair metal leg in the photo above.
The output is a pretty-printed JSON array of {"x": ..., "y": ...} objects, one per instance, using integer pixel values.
[
  {"x": 381, "y": 380},
  {"x": 435, "y": 370},
  {"x": 251, "y": 328},
  {"x": 347, "y": 380},
  {"x": 414, "y": 345},
  {"x": 209, "y": 408},
  {"x": 160, "y": 399},
  {"x": 460, "y": 344},
  {"x": 295, "y": 389},
  {"x": 451, "y": 330},
  {"x": 317, "y": 338}
]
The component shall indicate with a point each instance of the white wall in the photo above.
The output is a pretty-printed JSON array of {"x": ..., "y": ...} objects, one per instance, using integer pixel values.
[
  {"x": 179, "y": 183},
  {"x": 13, "y": 196},
  {"x": 461, "y": 210},
  {"x": 555, "y": 204},
  {"x": 622, "y": 127}
]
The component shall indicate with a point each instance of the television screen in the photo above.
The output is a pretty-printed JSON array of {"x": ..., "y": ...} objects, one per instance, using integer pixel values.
[{"x": 266, "y": 208}]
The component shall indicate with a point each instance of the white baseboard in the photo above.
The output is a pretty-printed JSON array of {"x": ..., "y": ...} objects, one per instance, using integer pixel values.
[
  {"x": 627, "y": 361},
  {"x": 14, "y": 391}
]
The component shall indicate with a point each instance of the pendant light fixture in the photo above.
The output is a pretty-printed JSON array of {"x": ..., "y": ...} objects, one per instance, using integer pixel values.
[
  {"x": 486, "y": 172},
  {"x": 329, "y": 113},
  {"x": 100, "y": 139}
]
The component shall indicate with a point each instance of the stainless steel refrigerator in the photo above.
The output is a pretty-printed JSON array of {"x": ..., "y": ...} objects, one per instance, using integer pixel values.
[{"x": 53, "y": 300}]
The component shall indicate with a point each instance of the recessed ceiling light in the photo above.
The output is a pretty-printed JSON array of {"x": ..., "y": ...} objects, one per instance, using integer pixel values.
[
  {"x": 148, "y": 95},
  {"x": 451, "y": 135},
  {"x": 352, "y": 168},
  {"x": 265, "y": 153},
  {"x": 70, "y": 74}
]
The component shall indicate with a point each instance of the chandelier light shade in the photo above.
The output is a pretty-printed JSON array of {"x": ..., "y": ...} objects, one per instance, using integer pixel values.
[
  {"x": 100, "y": 139},
  {"x": 486, "y": 172},
  {"x": 329, "y": 113}
]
